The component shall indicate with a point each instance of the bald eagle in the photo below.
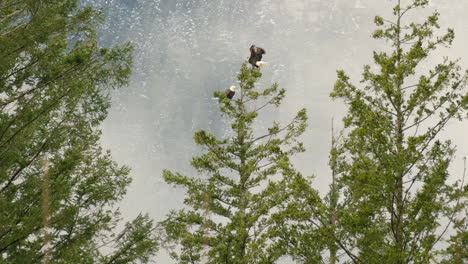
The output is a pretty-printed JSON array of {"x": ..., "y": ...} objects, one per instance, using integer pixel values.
[
  {"x": 256, "y": 56},
  {"x": 229, "y": 93}
]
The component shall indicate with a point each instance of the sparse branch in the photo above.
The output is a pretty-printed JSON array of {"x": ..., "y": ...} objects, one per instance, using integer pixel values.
[
  {"x": 12, "y": 14},
  {"x": 267, "y": 103},
  {"x": 220, "y": 158},
  {"x": 451, "y": 218},
  {"x": 431, "y": 113},
  {"x": 380, "y": 107},
  {"x": 275, "y": 133},
  {"x": 15, "y": 28},
  {"x": 437, "y": 128},
  {"x": 410, "y": 86},
  {"x": 412, "y": 6},
  {"x": 260, "y": 157},
  {"x": 388, "y": 21}
]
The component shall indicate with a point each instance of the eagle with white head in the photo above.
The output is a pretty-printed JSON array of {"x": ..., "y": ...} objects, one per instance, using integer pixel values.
[{"x": 229, "y": 93}]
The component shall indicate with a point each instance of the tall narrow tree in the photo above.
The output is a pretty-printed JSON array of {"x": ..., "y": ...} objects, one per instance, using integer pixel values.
[
  {"x": 58, "y": 188},
  {"x": 243, "y": 182},
  {"x": 391, "y": 200},
  {"x": 397, "y": 202}
]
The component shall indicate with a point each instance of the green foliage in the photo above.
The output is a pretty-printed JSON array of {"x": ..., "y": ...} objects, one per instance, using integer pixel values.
[
  {"x": 391, "y": 169},
  {"x": 54, "y": 83},
  {"x": 244, "y": 182},
  {"x": 456, "y": 252},
  {"x": 390, "y": 200}
]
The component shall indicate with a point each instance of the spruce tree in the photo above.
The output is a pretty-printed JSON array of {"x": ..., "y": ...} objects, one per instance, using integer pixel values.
[
  {"x": 391, "y": 199},
  {"x": 242, "y": 186},
  {"x": 58, "y": 187},
  {"x": 397, "y": 203}
]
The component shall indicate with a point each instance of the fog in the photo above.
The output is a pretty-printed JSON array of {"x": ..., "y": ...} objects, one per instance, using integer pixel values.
[{"x": 186, "y": 49}]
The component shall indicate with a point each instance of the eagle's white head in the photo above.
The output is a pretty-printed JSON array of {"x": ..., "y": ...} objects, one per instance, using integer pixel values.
[{"x": 232, "y": 88}]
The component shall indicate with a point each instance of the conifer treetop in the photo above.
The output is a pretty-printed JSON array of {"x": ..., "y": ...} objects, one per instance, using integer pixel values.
[{"x": 243, "y": 181}]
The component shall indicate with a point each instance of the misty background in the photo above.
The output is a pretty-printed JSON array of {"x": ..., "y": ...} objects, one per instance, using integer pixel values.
[{"x": 187, "y": 49}]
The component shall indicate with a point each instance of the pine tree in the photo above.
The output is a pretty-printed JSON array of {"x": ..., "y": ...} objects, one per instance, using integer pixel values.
[
  {"x": 397, "y": 203},
  {"x": 243, "y": 182},
  {"x": 391, "y": 200},
  {"x": 58, "y": 187}
]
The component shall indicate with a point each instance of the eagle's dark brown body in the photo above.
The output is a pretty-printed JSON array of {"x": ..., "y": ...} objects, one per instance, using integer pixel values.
[
  {"x": 255, "y": 55},
  {"x": 229, "y": 94}
]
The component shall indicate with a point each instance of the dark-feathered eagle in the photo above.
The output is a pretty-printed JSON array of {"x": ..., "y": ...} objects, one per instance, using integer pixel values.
[
  {"x": 256, "y": 56},
  {"x": 229, "y": 93}
]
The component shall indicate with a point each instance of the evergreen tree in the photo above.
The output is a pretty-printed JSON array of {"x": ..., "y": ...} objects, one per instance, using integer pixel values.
[
  {"x": 397, "y": 203},
  {"x": 391, "y": 200},
  {"x": 243, "y": 183},
  {"x": 58, "y": 188}
]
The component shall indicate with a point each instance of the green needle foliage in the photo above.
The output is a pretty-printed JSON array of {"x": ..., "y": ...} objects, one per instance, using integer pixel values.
[
  {"x": 58, "y": 188},
  {"x": 396, "y": 201},
  {"x": 243, "y": 181}
]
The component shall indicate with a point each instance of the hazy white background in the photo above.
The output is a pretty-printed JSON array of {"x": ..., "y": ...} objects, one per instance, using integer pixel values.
[{"x": 186, "y": 49}]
